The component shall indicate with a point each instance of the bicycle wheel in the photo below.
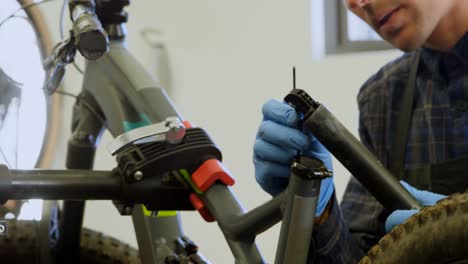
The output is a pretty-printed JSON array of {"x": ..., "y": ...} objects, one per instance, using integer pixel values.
[
  {"x": 20, "y": 245},
  {"x": 437, "y": 234}
]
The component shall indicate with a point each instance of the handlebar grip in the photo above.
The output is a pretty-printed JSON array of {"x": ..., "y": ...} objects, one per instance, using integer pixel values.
[
  {"x": 90, "y": 38},
  {"x": 5, "y": 184}
]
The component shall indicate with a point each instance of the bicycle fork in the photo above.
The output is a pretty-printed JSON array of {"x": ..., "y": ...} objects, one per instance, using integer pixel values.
[{"x": 87, "y": 126}]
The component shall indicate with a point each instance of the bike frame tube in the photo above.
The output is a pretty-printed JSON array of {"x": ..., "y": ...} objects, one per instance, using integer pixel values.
[
  {"x": 87, "y": 128},
  {"x": 128, "y": 89}
]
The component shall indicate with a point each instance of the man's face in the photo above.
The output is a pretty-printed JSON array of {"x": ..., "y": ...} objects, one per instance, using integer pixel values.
[{"x": 406, "y": 24}]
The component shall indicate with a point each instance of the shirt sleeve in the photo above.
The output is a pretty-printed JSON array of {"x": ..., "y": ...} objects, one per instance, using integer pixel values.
[
  {"x": 351, "y": 228},
  {"x": 332, "y": 242},
  {"x": 364, "y": 215}
]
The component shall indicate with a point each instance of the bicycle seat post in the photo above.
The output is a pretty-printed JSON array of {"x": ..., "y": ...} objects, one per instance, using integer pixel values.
[{"x": 299, "y": 212}]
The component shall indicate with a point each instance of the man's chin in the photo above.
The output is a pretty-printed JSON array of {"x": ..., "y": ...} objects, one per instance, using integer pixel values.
[
  {"x": 406, "y": 47},
  {"x": 406, "y": 44}
]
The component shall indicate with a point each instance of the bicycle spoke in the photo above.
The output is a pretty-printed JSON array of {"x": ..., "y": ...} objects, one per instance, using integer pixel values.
[
  {"x": 4, "y": 157},
  {"x": 17, "y": 133},
  {"x": 23, "y": 8}
]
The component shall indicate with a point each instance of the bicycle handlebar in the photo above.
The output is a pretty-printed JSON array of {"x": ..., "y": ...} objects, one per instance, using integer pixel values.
[{"x": 90, "y": 38}]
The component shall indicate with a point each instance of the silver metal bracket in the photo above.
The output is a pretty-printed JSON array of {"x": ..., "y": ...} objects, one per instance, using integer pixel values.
[{"x": 171, "y": 130}]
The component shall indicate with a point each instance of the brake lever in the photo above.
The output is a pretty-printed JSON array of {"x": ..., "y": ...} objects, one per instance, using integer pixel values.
[{"x": 62, "y": 54}]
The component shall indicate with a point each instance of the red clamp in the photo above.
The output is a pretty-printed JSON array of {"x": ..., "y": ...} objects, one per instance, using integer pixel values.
[
  {"x": 187, "y": 124},
  {"x": 206, "y": 175},
  {"x": 201, "y": 207},
  {"x": 209, "y": 172}
]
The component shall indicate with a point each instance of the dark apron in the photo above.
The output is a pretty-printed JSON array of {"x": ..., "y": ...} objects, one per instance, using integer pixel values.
[{"x": 446, "y": 177}]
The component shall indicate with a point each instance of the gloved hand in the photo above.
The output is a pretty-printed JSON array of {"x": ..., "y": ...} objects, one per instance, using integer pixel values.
[
  {"x": 399, "y": 216},
  {"x": 277, "y": 142}
]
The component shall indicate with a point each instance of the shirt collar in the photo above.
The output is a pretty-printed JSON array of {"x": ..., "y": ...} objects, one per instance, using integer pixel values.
[
  {"x": 461, "y": 49},
  {"x": 436, "y": 60}
]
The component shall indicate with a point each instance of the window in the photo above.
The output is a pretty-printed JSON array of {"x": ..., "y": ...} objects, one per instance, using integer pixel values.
[
  {"x": 358, "y": 30},
  {"x": 342, "y": 30}
]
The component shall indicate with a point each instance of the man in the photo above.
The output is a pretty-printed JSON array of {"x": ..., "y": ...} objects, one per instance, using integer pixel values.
[{"x": 415, "y": 140}]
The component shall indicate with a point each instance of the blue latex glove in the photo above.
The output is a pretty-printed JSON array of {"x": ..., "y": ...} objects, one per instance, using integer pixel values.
[
  {"x": 276, "y": 146},
  {"x": 399, "y": 216}
]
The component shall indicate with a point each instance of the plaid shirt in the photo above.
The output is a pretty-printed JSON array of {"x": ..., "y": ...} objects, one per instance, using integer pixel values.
[{"x": 438, "y": 132}]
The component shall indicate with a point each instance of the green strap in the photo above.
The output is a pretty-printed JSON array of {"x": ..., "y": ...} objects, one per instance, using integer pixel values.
[{"x": 189, "y": 180}]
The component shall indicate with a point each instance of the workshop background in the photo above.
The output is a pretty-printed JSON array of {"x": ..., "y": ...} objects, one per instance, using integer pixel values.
[{"x": 221, "y": 61}]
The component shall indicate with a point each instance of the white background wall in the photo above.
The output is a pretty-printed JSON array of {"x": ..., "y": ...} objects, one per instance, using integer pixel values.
[{"x": 227, "y": 59}]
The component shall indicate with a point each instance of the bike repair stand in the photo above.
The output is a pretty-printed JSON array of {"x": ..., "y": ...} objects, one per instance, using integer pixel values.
[{"x": 301, "y": 202}]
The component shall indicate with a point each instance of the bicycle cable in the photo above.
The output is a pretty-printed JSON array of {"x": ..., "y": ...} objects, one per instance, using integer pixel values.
[
  {"x": 23, "y": 8},
  {"x": 62, "y": 15},
  {"x": 77, "y": 98}
]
